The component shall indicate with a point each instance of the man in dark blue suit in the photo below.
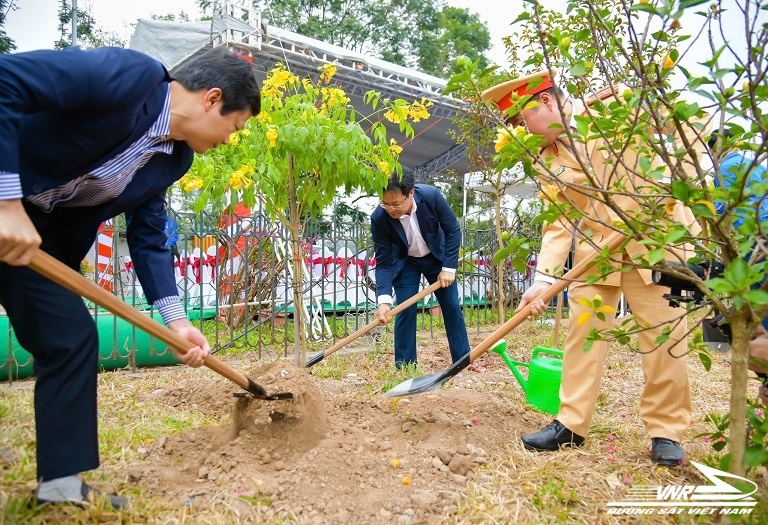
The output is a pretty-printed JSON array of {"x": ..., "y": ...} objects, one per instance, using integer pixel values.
[
  {"x": 416, "y": 233},
  {"x": 85, "y": 136}
]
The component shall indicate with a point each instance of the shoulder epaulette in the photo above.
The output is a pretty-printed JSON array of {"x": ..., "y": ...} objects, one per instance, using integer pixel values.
[{"x": 602, "y": 94}]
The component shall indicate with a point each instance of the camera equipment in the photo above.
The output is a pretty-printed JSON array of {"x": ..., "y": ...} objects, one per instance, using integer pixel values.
[
  {"x": 678, "y": 285},
  {"x": 716, "y": 329}
]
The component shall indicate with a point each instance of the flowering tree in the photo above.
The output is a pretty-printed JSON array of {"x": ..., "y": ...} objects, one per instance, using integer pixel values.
[
  {"x": 475, "y": 130},
  {"x": 304, "y": 147},
  {"x": 652, "y": 124}
]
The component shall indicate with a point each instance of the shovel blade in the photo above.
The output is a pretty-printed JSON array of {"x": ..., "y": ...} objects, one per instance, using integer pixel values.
[
  {"x": 417, "y": 385},
  {"x": 279, "y": 397},
  {"x": 259, "y": 392},
  {"x": 315, "y": 359},
  {"x": 267, "y": 397}
]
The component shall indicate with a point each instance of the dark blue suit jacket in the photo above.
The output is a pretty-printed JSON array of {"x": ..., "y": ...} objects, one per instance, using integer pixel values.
[
  {"x": 65, "y": 113},
  {"x": 438, "y": 226}
]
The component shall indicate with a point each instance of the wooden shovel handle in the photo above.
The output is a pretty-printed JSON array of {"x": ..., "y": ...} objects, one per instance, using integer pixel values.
[
  {"x": 68, "y": 278},
  {"x": 376, "y": 322},
  {"x": 610, "y": 244},
  {"x": 558, "y": 318}
]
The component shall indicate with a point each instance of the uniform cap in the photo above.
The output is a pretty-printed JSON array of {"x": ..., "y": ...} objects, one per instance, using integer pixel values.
[{"x": 507, "y": 93}]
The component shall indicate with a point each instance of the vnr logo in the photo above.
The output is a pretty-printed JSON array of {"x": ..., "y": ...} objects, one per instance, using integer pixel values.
[
  {"x": 717, "y": 497},
  {"x": 719, "y": 491}
]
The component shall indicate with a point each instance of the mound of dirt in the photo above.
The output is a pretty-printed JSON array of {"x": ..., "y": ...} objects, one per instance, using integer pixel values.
[
  {"x": 329, "y": 455},
  {"x": 290, "y": 426}
]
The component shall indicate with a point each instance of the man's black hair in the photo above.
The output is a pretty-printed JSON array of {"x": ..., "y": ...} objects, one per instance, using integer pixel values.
[
  {"x": 712, "y": 142},
  {"x": 404, "y": 184},
  {"x": 220, "y": 68}
]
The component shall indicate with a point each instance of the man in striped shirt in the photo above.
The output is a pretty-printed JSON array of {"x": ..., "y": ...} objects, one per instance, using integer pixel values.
[{"x": 85, "y": 136}]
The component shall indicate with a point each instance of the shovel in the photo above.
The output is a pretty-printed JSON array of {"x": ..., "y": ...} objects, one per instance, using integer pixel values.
[
  {"x": 434, "y": 381},
  {"x": 60, "y": 273},
  {"x": 373, "y": 324}
]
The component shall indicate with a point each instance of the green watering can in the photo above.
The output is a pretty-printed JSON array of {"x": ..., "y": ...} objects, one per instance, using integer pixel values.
[{"x": 542, "y": 388}]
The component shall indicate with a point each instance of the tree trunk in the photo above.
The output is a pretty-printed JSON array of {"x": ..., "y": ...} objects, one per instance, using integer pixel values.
[
  {"x": 299, "y": 338},
  {"x": 742, "y": 334},
  {"x": 500, "y": 266}
]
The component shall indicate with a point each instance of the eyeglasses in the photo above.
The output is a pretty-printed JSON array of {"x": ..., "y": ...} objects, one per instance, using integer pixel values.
[{"x": 392, "y": 207}]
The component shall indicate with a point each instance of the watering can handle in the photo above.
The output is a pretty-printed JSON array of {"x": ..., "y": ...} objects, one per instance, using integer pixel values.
[{"x": 542, "y": 350}]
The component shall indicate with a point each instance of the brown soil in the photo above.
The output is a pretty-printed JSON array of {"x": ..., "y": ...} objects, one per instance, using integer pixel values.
[{"x": 333, "y": 454}]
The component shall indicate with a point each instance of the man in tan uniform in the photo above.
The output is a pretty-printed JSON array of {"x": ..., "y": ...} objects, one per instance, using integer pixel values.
[{"x": 665, "y": 406}]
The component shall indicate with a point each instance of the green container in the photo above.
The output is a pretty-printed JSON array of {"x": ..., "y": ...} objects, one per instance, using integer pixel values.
[
  {"x": 15, "y": 362},
  {"x": 118, "y": 339},
  {"x": 542, "y": 387}
]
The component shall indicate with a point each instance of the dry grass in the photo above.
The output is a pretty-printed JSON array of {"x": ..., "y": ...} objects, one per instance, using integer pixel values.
[{"x": 517, "y": 486}]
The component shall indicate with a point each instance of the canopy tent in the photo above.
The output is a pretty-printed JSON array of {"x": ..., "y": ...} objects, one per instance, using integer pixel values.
[
  {"x": 432, "y": 153},
  {"x": 510, "y": 182}
]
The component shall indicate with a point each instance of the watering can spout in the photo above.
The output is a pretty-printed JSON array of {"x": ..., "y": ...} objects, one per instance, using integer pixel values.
[{"x": 501, "y": 349}]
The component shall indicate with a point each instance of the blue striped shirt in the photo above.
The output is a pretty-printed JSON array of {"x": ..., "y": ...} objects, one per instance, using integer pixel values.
[{"x": 106, "y": 183}]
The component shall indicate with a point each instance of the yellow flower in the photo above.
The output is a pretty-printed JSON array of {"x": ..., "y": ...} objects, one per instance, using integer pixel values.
[
  {"x": 272, "y": 136},
  {"x": 502, "y": 139},
  {"x": 240, "y": 178},
  {"x": 667, "y": 62},
  {"x": 395, "y": 463},
  {"x": 550, "y": 191},
  {"x": 392, "y": 117},
  {"x": 334, "y": 97},
  {"x": 190, "y": 183},
  {"x": 234, "y": 138},
  {"x": 246, "y": 131},
  {"x": 394, "y": 148},
  {"x": 384, "y": 166},
  {"x": 406, "y": 480},
  {"x": 418, "y": 110},
  {"x": 244, "y": 170},
  {"x": 327, "y": 71},
  {"x": 264, "y": 117},
  {"x": 237, "y": 181},
  {"x": 277, "y": 80},
  {"x": 669, "y": 206}
]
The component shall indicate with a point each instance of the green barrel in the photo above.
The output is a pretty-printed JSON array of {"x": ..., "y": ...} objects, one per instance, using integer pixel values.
[
  {"x": 118, "y": 339},
  {"x": 15, "y": 362}
]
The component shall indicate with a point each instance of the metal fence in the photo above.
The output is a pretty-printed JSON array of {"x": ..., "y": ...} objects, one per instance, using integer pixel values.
[{"x": 236, "y": 281}]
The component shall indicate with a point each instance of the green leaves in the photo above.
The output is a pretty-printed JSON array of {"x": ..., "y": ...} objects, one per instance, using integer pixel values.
[
  {"x": 516, "y": 249},
  {"x": 657, "y": 255},
  {"x": 310, "y": 130}
]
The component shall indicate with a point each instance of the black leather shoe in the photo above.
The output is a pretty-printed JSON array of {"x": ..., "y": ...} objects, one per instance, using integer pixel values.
[
  {"x": 90, "y": 496},
  {"x": 666, "y": 452},
  {"x": 552, "y": 437}
]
